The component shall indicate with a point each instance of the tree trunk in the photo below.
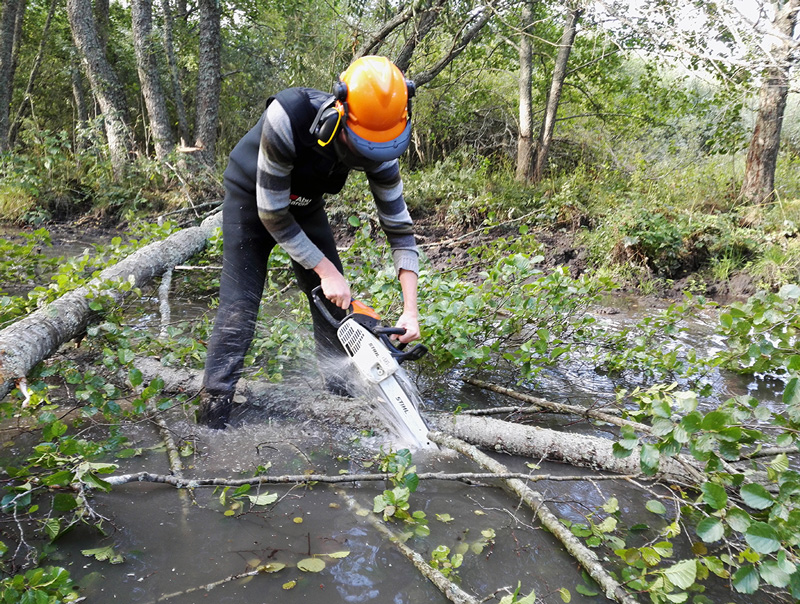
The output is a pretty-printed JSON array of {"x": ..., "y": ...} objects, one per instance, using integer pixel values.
[
  {"x": 762, "y": 155},
  {"x": 147, "y": 63},
  {"x": 425, "y": 23},
  {"x": 78, "y": 97},
  {"x": 552, "y": 445},
  {"x": 172, "y": 63},
  {"x": 104, "y": 82},
  {"x": 37, "y": 63},
  {"x": 208, "y": 80},
  {"x": 554, "y": 94},
  {"x": 525, "y": 140},
  {"x": 102, "y": 16},
  {"x": 8, "y": 23},
  {"x": 37, "y": 336}
]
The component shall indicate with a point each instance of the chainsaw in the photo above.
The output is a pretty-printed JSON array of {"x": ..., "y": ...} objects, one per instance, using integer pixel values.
[{"x": 366, "y": 341}]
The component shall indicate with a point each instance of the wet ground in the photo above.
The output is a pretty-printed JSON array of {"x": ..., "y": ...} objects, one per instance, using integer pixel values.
[{"x": 185, "y": 549}]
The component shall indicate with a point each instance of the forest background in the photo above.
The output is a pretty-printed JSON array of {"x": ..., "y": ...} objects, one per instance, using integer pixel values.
[
  {"x": 649, "y": 133},
  {"x": 648, "y": 145}
]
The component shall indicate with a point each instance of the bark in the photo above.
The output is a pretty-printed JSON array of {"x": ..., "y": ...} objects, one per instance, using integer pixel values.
[
  {"x": 758, "y": 186},
  {"x": 78, "y": 96},
  {"x": 102, "y": 16},
  {"x": 105, "y": 85},
  {"x": 527, "y": 441},
  {"x": 172, "y": 63},
  {"x": 554, "y": 94},
  {"x": 37, "y": 336},
  {"x": 8, "y": 22},
  {"x": 525, "y": 140},
  {"x": 534, "y": 500},
  {"x": 37, "y": 63},
  {"x": 552, "y": 445},
  {"x": 425, "y": 23},
  {"x": 209, "y": 80},
  {"x": 149, "y": 77}
]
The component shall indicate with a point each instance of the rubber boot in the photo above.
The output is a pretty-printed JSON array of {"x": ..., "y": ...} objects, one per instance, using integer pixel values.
[{"x": 215, "y": 409}]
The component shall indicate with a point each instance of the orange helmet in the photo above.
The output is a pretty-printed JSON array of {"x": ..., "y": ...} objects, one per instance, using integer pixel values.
[{"x": 378, "y": 108}]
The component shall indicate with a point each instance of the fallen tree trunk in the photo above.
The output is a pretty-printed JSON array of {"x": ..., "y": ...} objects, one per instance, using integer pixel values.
[
  {"x": 551, "y": 445},
  {"x": 40, "y": 334},
  {"x": 589, "y": 560}
]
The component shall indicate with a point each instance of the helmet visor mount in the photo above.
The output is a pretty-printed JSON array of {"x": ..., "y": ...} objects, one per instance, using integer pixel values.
[{"x": 375, "y": 151}]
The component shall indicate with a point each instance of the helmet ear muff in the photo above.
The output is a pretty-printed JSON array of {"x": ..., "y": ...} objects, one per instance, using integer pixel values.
[
  {"x": 340, "y": 91},
  {"x": 328, "y": 119}
]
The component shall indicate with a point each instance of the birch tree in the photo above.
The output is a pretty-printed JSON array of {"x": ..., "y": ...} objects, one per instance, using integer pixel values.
[
  {"x": 209, "y": 79},
  {"x": 554, "y": 93},
  {"x": 525, "y": 137},
  {"x": 762, "y": 155}
]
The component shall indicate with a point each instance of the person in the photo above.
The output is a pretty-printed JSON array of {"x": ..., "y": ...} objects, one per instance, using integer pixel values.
[{"x": 303, "y": 147}]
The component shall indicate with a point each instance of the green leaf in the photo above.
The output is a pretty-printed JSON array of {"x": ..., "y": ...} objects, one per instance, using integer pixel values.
[
  {"x": 354, "y": 221},
  {"x": 710, "y": 529},
  {"x": 714, "y": 495},
  {"x": 738, "y": 520},
  {"x": 714, "y": 421},
  {"x": 342, "y": 554},
  {"x": 762, "y": 538},
  {"x": 263, "y": 498},
  {"x": 648, "y": 459},
  {"x": 745, "y": 580},
  {"x": 756, "y": 496},
  {"x": 682, "y": 574},
  {"x": 656, "y": 507},
  {"x": 773, "y": 574},
  {"x": 791, "y": 394},
  {"x": 311, "y": 565}
]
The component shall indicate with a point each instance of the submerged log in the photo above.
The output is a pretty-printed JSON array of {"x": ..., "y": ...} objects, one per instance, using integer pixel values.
[{"x": 37, "y": 336}]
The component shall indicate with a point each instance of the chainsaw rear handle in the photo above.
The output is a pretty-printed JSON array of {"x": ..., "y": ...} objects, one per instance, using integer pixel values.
[{"x": 380, "y": 331}]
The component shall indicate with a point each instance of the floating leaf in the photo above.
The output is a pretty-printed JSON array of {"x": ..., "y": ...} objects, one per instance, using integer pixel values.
[
  {"x": 272, "y": 567},
  {"x": 104, "y": 553},
  {"x": 263, "y": 498},
  {"x": 289, "y": 584},
  {"x": 297, "y": 520},
  {"x": 342, "y": 554},
  {"x": 444, "y": 517},
  {"x": 311, "y": 565},
  {"x": 565, "y": 594}
]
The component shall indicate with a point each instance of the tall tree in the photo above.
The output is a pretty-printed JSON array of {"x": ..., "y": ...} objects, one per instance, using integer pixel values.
[
  {"x": 149, "y": 76},
  {"x": 209, "y": 79},
  {"x": 37, "y": 63},
  {"x": 9, "y": 11},
  {"x": 106, "y": 87},
  {"x": 762, "y": 156},
  {"x": 525, "y": 136},
  {"x": 174, "y": 77},
  {"x": 554, "y": 93}
]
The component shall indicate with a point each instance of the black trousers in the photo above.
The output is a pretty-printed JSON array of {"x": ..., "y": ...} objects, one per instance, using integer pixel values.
[{"x": 245, "y": 254}]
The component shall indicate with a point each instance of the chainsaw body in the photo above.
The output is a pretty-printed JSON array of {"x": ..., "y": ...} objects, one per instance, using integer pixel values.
[{"x": 366, "y": 341}]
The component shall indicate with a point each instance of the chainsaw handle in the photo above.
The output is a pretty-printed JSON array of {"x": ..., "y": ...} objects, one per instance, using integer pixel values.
[
  {"x": 398, "y": 352},
  {"x": 320, "y": 304}
]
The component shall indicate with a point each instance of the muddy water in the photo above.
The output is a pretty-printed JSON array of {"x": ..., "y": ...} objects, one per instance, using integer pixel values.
[{"x": 176, "y": 548}]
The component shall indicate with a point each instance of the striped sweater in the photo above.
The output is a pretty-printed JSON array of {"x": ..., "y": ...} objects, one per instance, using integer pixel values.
[{"x": 276, "y": 191}]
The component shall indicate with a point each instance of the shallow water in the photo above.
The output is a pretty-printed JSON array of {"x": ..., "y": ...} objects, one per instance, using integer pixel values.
[{"x": 176, "y": 545}]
